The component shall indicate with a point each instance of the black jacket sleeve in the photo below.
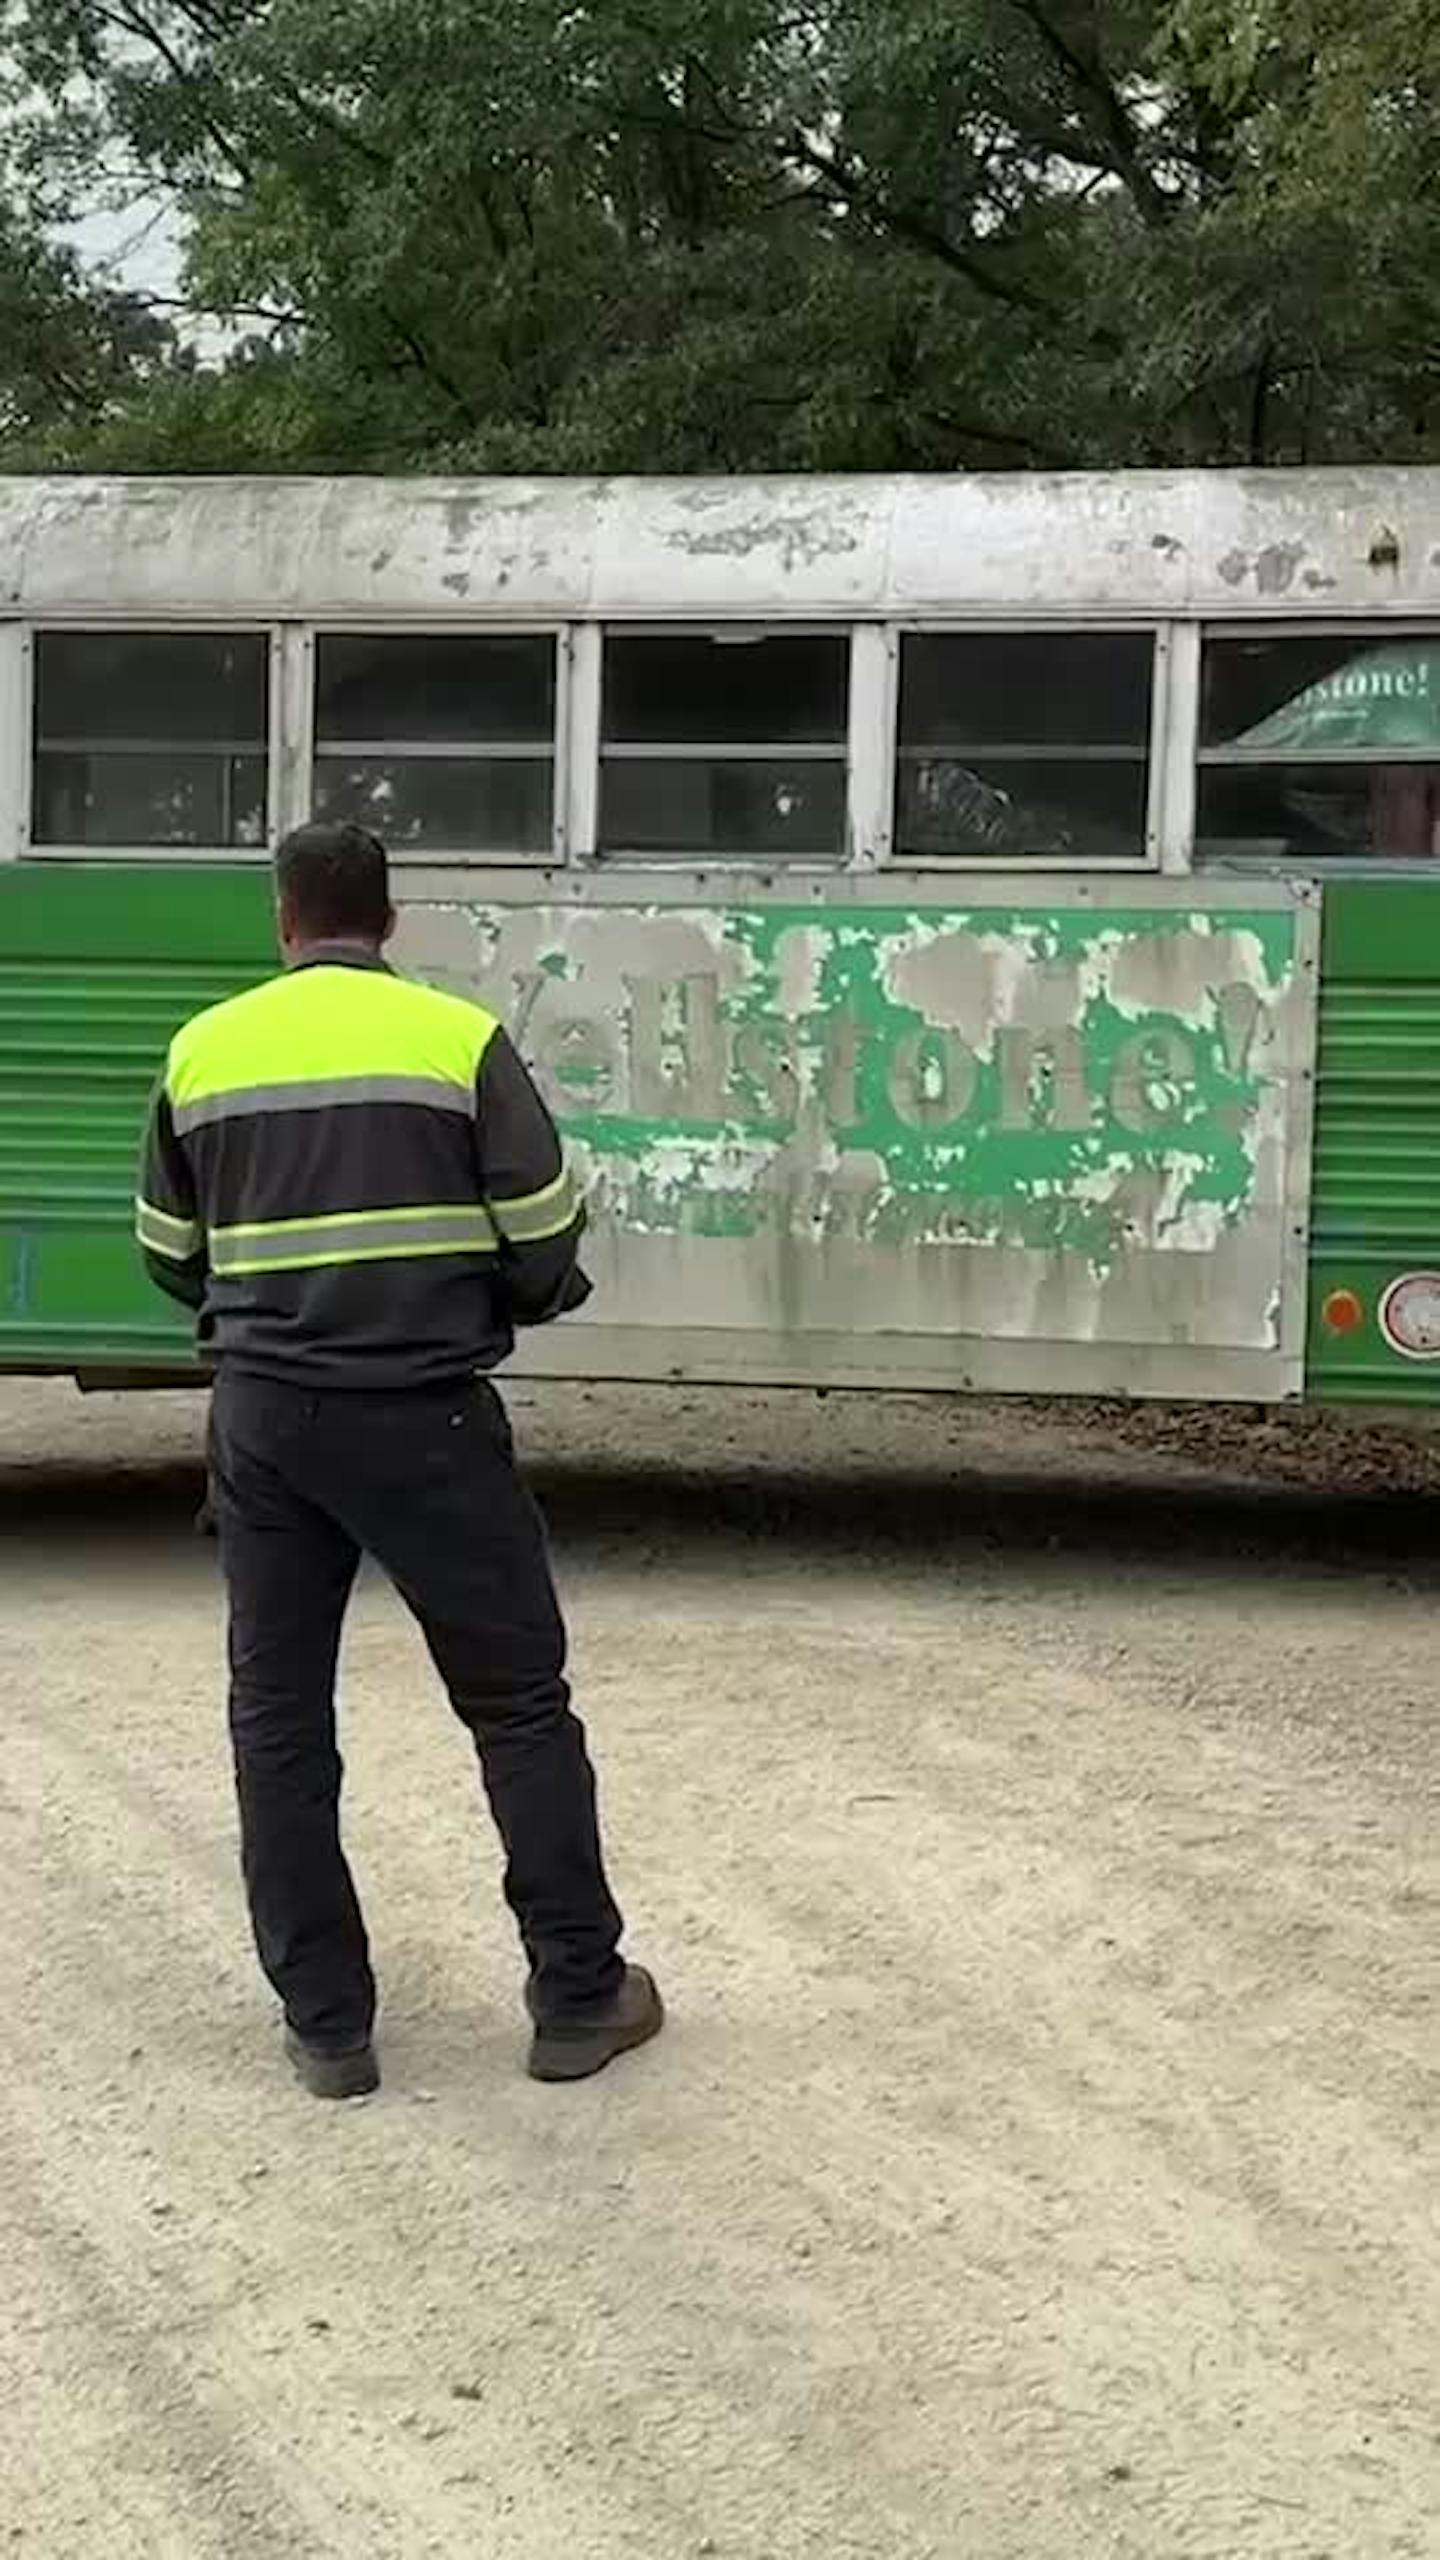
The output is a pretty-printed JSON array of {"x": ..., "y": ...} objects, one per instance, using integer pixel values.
[
  {"x": 167, "y": 1221},
  {"x": 529, "y": 1191}
]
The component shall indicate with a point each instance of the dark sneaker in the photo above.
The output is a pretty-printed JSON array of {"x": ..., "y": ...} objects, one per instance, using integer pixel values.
[
  {"x": 350, "y": 2072},
  {"x": 575, "y": 2048}
]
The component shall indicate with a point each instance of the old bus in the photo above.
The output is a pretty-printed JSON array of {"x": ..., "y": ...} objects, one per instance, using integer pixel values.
[{"x": 977, "y": 933}]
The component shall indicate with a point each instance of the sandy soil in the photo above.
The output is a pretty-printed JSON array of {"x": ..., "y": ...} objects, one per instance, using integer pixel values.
[{"x": 1031, "y": 1816}]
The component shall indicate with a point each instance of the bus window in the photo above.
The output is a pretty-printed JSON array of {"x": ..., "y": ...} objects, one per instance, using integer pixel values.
[
  {"x": 1024, "y": 745},
  {"x": 728, "y": 746},
  {"x": 151, "y": 739},
  {"x": 1317, "y": 747},
  {"x": 442, "y": 743}
]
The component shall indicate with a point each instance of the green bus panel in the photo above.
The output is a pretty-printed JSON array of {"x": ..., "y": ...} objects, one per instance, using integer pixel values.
[
  {"x": 98, "y": 967},
  {"x": 99, "y": 964},
  {"x": 1375, "y": 1207}
]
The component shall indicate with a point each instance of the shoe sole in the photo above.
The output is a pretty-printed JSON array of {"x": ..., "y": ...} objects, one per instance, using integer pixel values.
[{"x": 561, "y": 2058}]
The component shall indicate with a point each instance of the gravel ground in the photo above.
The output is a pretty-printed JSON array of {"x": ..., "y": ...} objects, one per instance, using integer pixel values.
[{"x": 1031, "y": 1814}]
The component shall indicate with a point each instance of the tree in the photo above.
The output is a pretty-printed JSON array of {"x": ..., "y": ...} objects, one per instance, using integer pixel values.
[
  {"x": 740, "y": 234},
  {"x": 70, "y": 354}
]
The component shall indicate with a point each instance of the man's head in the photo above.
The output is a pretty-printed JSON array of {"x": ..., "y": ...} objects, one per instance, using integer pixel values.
[{"x": 332, "y": 884}]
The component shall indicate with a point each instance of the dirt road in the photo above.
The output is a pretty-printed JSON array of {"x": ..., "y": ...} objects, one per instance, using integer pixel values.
[{"x": 1033, "y": 1822}]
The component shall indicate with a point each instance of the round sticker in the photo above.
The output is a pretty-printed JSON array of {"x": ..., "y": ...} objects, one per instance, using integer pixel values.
[{"x": 1410, "y": 1315}]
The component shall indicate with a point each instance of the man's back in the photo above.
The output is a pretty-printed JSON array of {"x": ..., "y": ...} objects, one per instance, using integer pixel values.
[{"x": 378, "y": 1192}]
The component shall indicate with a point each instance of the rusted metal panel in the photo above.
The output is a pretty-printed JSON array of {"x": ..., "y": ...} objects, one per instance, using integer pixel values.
[
  {"x": 1053, "y": 1123},
  {"x": 1024, "y": 546}
]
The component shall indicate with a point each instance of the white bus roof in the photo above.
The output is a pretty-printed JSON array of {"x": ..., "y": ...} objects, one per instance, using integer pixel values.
[{"x": 1221, "y": 544}]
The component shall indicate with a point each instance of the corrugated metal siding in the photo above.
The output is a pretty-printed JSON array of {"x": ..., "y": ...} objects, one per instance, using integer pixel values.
[
  {"x": 1375, "y": 1207},
  {"x": 1377, "y": 1146},
  {"x": 83, "y": 1033},
  {"x": 80, "y": 1047}
]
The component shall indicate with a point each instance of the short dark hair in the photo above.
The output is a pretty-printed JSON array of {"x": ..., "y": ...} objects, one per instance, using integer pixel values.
[{"x": 334, "y": 879}]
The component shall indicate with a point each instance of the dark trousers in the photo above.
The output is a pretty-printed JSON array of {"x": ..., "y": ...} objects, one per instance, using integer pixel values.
[{"x": 426, "y": 1483}]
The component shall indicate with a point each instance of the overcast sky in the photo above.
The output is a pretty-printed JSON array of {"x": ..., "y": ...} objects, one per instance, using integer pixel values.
[
  {"x": 137, "y": 248},
  {"x": 140, "y": 251}
]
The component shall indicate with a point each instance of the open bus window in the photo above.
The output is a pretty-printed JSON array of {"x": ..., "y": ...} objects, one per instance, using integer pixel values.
[
  {"x": 725, "y": 747},
  {"x": 151, "y": 739},
  {"x": 444, "y": 744},
  {"x": 1319, "y": 748},
  {"x": 1024, "y": 745}
]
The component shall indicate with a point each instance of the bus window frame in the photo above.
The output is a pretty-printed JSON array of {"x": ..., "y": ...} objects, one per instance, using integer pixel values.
[
  {"x": 16, "y": 742},
  {"x": 1161, "y": 851},
  {"x": 434, "y": 626},
  {"x": 733, "y": 629},
  {"x": 1362, "y": 629},
  {"x": 128, "y": 626}
]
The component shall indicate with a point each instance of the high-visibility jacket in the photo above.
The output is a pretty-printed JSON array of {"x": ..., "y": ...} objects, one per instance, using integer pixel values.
[{"x": 355, "y": 1182}]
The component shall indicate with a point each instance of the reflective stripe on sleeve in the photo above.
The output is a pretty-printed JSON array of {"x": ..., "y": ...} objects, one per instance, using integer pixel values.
[
  {"x": 357, "y": 1235},
  {"x": 540, "y": 1215},
  {"x": 174, "y": 1239}
]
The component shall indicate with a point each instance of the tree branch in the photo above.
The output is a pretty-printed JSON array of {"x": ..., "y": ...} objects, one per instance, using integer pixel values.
[
  {"x": 1002, "y": 439},
  {"x": 1090, "y": 77},
  {"x": 425, "y": 363},
  {"x": 220, "y": 310},
  {"x": 1260, "y": 407},
  {"x": 913, "y": 228},
  {"x": 132, "y": 20}
]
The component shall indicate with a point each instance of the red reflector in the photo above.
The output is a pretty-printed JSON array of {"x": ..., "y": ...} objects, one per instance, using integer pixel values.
[{"x": 1342, "y": 1312}]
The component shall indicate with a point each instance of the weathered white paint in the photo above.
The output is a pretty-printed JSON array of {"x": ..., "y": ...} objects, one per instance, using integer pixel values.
[
  {"x": 1143, "y": 544},
  {"x": 772, "y": 1148},
  {"x": 14, "y": 752}
]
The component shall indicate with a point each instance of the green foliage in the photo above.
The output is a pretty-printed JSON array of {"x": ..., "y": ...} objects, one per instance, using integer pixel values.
[
  {"x": 70, "y": 356},
  {"x": 710, "y": 235}
]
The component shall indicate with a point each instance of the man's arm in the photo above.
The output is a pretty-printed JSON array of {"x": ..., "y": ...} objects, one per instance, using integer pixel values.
[
  {"x": 528, "y": 1190},
  {"x": 167, "y": 1222}
]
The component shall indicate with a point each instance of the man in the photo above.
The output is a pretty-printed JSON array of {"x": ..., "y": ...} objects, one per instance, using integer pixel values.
[{"x": 354, "y": 1180}]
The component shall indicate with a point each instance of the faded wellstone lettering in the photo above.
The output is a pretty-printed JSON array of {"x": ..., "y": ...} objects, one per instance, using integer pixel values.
[{"x": 1068, "y": 1083}]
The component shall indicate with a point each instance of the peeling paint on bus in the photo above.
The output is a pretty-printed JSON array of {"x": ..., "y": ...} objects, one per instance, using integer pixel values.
[{"x": 906, "y": 1120}]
